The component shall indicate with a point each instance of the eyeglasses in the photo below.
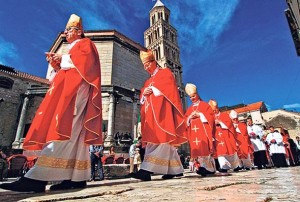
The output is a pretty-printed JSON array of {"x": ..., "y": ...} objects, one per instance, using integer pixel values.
[
  {"x": 147, "y": 65},
  {"x": 70, "y": 28}
]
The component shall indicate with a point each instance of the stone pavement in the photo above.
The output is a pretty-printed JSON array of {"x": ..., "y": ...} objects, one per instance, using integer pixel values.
[{"x": 268, "y": 185}]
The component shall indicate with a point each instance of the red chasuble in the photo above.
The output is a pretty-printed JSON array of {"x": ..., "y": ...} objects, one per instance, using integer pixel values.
[
  {"x": 200, "y": 134},
  {"x": 243, "y": 140},
  {"x": 286, "y": 144},
  {"x": 225, "y": 142},
  {"x": 162, "y": 119},
  {"x": 54, "y": 118}
]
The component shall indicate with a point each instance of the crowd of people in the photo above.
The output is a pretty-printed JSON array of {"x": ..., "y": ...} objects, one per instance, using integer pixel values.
[
  {"x": 268, "y": 158},
  {"x": 220, "y": 142},
  {"x": 67, "y": 127}
]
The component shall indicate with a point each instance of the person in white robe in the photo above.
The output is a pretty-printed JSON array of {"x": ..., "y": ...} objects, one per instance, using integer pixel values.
[
  {"x": 256, "y": 137},
  {"x": 276, "y": 148}
]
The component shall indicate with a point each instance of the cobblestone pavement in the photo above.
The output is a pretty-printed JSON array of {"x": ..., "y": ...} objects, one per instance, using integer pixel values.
[{"x": 257, "y": 185}]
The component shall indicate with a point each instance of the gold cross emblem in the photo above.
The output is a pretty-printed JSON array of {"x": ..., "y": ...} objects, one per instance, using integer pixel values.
[
  {"x": 197, "y": 141},
  {"x": 195, "y": 129},
  {"x": 51, "y": 89},
  {"x": 222, "y": 143}
]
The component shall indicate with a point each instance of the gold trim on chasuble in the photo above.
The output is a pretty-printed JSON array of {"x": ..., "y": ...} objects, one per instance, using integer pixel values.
[
  {"x": 62, "y": 163},
  {"x": 162, "y": 162}
]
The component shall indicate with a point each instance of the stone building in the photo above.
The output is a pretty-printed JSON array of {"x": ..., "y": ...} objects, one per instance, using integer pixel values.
[
  {"x": 282, "y": 118},
  {"x": 19, "y": 92},
  {"x": 254, "y": 110},
  {"x": 261, "y": 116}
]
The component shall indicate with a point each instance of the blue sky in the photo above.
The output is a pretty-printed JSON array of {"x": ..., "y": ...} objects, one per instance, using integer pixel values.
[{"x": 235, "y": 51}]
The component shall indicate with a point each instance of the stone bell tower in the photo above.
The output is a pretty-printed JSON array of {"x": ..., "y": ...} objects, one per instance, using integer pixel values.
[{"x": 161, "y": 38}]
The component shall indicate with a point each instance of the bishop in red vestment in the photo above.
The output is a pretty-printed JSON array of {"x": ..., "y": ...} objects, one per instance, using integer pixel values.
[
  {"x": 225, "y": 139},
  {"x": 162, "y": 122},
  {"x": 200, "y": 127},
  {"x": 68, "y": 119},
  {"x": 245, "y": 147}
]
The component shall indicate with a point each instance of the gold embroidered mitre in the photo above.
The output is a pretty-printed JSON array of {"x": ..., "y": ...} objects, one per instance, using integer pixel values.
[
  {"x": 190, "y": 89},
  {"x": 233, "y": 114},
  {"x": 75, "y": 21},
  {"x": 213, "y": 103},
  {"x": 146, "y": 56}
]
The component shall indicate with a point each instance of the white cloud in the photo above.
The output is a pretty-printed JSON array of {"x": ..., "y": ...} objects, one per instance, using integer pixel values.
[
  {"x": 291, "y": 106},
  {"x": 8, "y": 52},
  {"x": 96, "y": 14},
  {"x": 200, "y": 23}
]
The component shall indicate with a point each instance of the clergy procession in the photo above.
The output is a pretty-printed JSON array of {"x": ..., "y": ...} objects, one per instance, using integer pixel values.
[{"x": 69, "y": 120}]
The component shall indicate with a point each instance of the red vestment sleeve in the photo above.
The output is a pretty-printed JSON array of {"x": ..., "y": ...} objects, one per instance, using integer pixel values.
[{"x": 86, "y": 60}]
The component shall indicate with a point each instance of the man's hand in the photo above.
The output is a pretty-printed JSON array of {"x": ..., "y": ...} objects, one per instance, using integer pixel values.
[
  {"x": 194, "y": 115},
  {"x": 97, "y": 154},
  {"x": 54, "y": 60},
  {"x": 253, "y": 135},
  {"x": 147, "y": 91}
]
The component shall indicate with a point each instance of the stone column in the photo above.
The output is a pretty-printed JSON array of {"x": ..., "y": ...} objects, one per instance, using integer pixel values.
[
  {"x": 134, "y": 117},
  {"x": 109, "y": 140},
  {"x": 21, "y": 124}
]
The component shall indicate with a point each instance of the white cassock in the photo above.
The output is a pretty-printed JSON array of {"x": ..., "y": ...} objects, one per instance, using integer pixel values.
[
  {"x": 257, "y": 143},
  {"x": 278, "y": 147}
]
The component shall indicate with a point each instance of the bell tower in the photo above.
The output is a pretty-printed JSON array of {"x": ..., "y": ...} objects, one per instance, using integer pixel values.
[{"x": 161, "y": 38}]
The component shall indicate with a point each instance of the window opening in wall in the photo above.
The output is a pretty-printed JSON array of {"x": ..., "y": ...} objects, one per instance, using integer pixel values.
[{"x": 6, "y": 82}]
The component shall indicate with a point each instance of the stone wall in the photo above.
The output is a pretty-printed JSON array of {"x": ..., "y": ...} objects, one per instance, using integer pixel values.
[
  {"x": 116, "y": 170},
  {"x": 128, "y": 71},
  {"x": 11, "y": 105},
  {"x": 105, "y": 49}
]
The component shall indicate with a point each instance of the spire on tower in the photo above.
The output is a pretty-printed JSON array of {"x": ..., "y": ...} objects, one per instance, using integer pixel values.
[{"x": 158, "y": 3}]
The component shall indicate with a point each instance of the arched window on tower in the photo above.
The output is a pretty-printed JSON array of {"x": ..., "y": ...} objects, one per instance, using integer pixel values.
[
  {"x": 175, "y": 56},
  {"x": 149, "y": 40},
  {"x": 167, "y": 17},
  {"x": 167, "y": 34},
  {"x": 155, "y": 54},
  {"x": 158, "y": 50}
]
